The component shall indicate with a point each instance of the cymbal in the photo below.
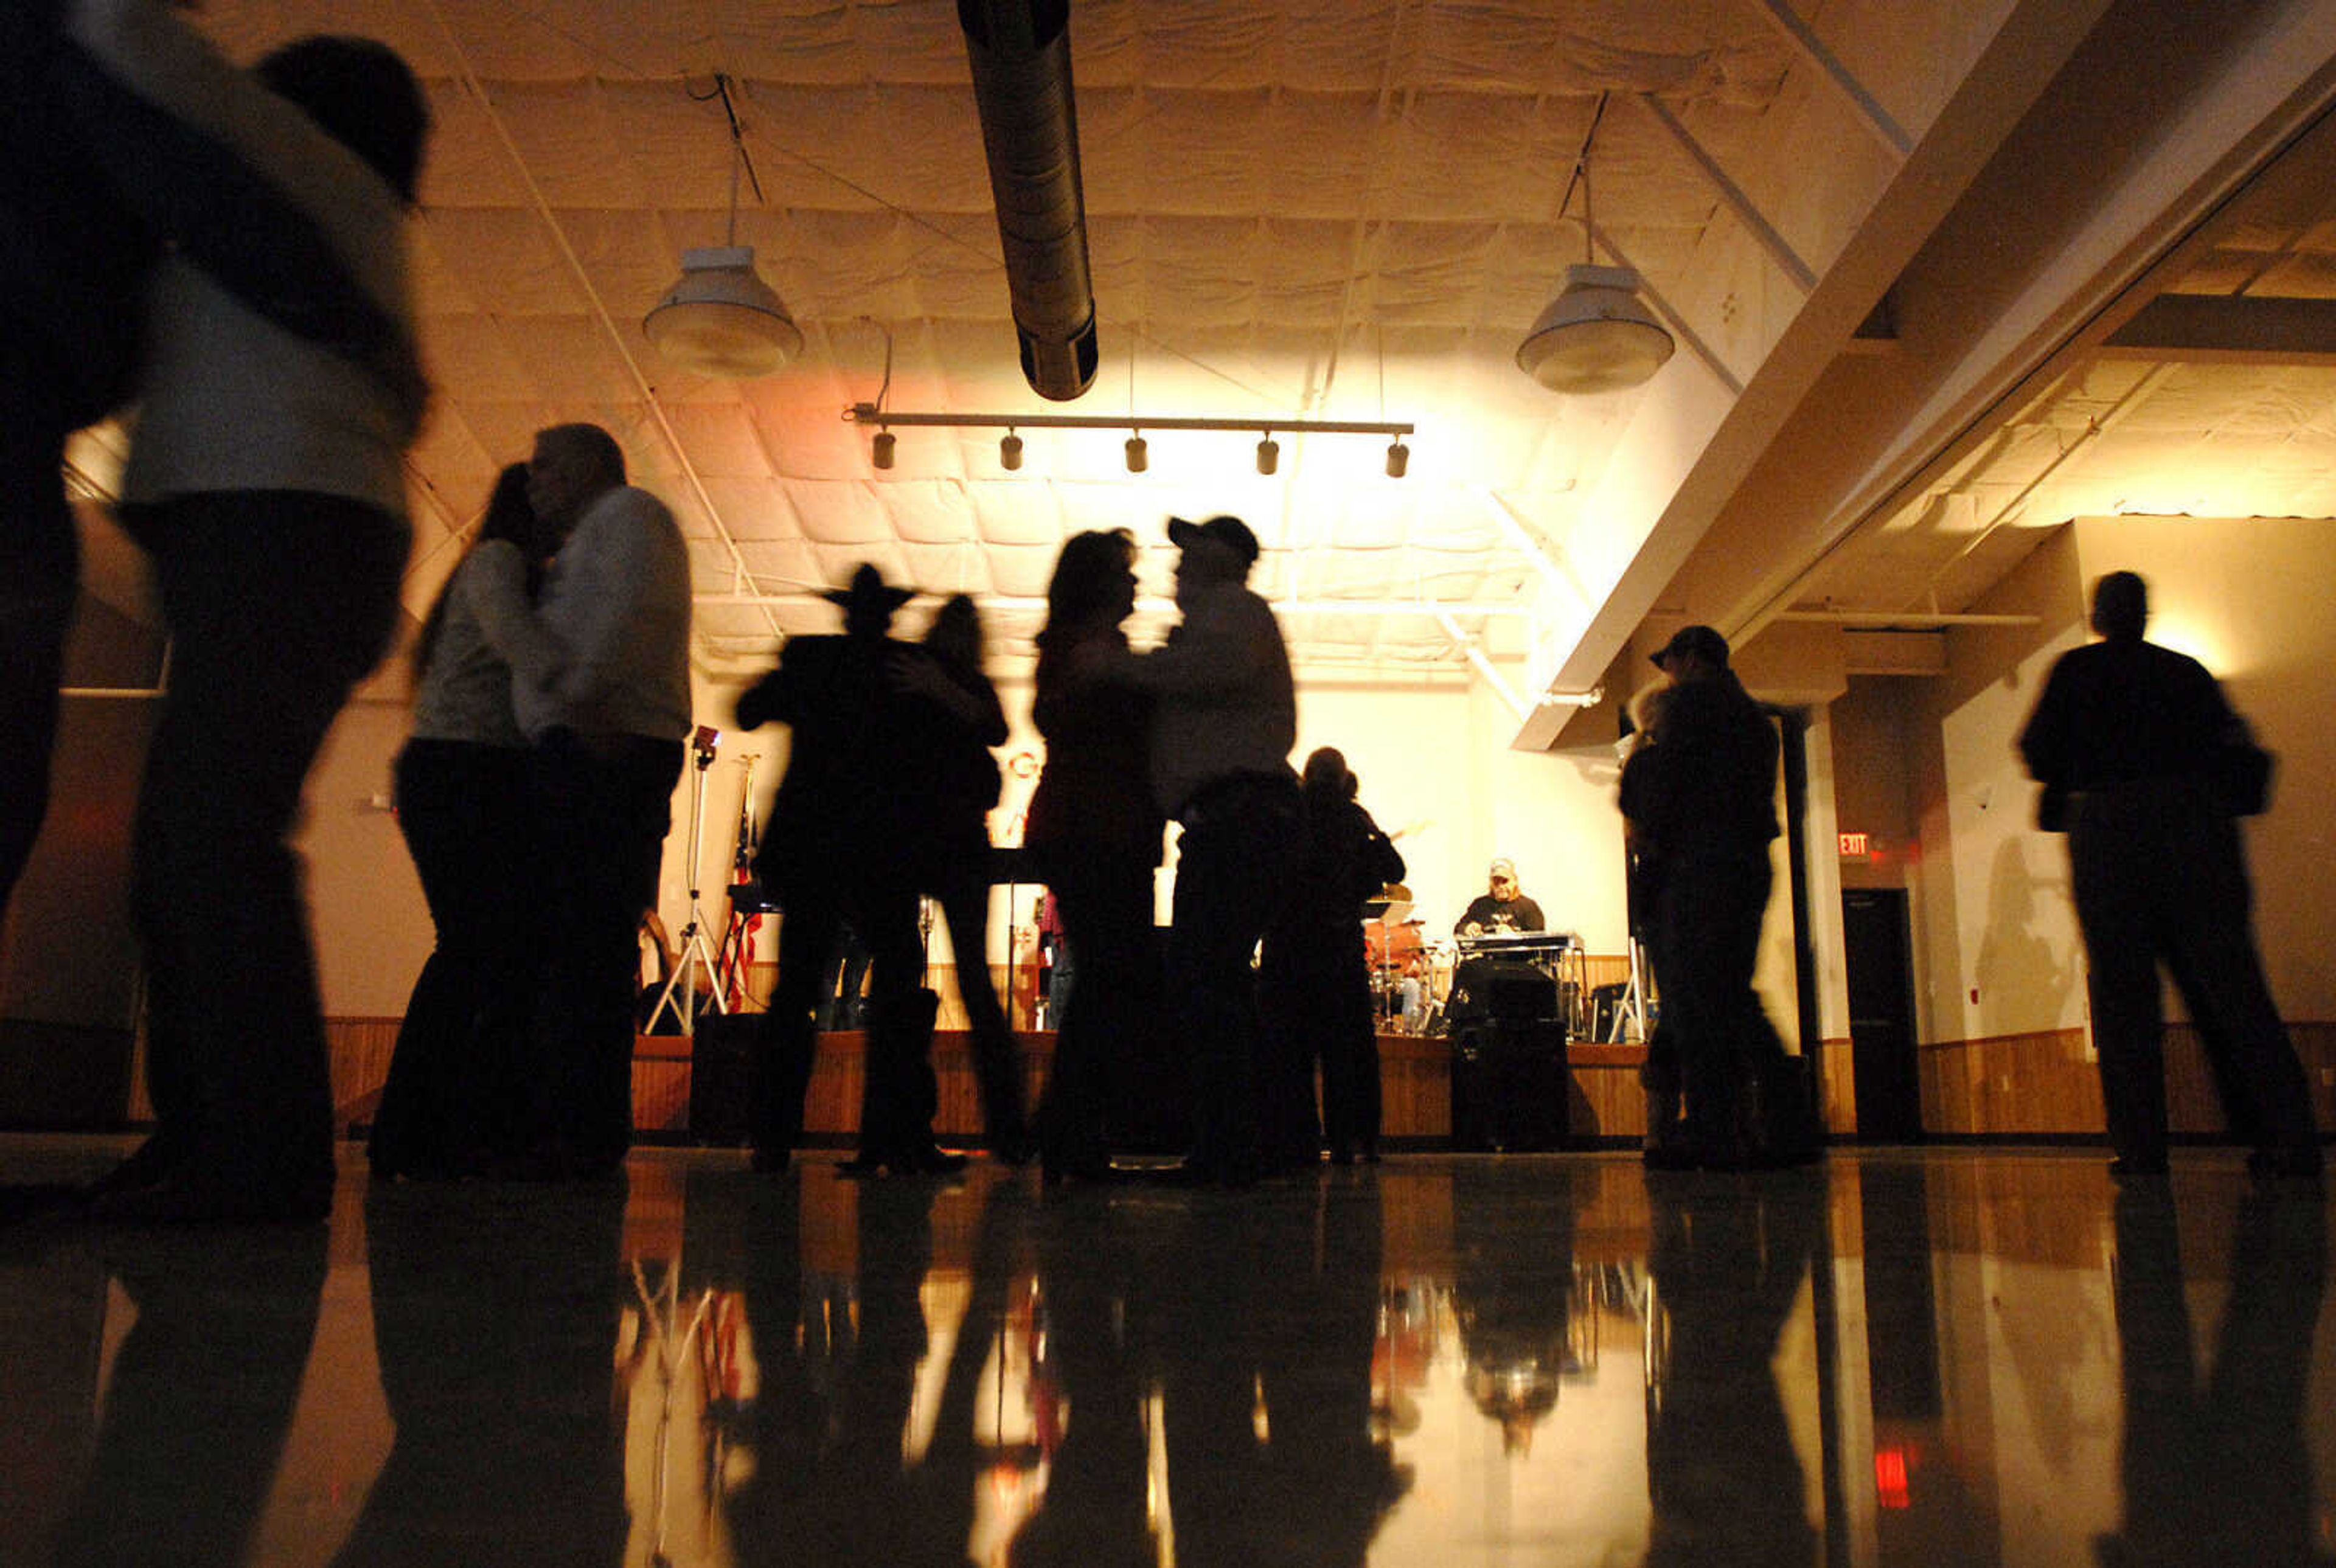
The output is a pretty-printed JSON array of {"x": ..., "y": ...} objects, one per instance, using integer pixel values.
[{"x": 1395, "y": 893}]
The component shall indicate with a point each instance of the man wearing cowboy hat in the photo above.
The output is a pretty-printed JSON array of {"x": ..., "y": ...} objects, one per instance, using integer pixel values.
[
  {"x": 601, "y": 688},
  {"x": 832, "y": 853}
]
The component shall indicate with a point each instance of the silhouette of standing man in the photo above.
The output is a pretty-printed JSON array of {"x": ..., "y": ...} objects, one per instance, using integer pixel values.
[
  {"x": 1225, "y": 715},
  {"x": 601, "y": 688},
  {"x": 2133, "y": 736}
]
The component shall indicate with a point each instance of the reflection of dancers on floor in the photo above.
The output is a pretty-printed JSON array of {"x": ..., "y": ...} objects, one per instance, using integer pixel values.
[
  {"x": 1723, "y": 1476},
  {"x": 2218, "y": 1469}
]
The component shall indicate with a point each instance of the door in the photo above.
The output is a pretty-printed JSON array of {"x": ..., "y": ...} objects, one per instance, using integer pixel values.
[{"x": 1876, "y": 941}]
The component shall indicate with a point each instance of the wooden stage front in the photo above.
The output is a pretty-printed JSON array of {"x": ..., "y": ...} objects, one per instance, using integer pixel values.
[{"x": 1414, "y": 1083}]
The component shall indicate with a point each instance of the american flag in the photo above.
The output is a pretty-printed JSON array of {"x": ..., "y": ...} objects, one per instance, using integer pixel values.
[{"x": 737, "y": 949}]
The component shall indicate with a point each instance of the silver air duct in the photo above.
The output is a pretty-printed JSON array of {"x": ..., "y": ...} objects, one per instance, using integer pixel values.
[{"x": 1020, "y": 50}]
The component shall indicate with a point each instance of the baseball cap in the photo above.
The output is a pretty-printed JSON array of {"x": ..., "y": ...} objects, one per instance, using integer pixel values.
[
  {"x": 1504, "y": 867},
  {"x": 1693, "y": 640},
  {"x": 1229, "y": 531}
]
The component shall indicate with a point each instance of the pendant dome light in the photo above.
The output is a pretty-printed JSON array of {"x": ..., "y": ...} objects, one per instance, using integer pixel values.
[
  {"x": 1597, "y": 334},
  {"x": 720, "y": 319}
]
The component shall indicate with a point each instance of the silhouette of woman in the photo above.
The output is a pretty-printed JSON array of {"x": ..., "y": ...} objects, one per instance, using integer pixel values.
[{"x": 452, "y": 1096}]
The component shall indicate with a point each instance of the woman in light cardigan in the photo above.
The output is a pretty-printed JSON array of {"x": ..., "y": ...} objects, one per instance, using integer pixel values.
[
  {"x": 267, "y": 482},
  {"x": 456, "y": 1090}
]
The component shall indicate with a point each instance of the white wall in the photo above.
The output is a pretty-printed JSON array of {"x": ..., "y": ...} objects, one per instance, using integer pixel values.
[
  {"x": 371, "y": 928},
  {"x": 1998, "y": 948},
  {"x": 1436, "y": 764}
]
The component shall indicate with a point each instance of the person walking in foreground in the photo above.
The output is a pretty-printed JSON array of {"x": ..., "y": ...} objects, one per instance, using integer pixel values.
[
  {"x": 2145, "y": 762},
  {"x": 266, "y": 484}
]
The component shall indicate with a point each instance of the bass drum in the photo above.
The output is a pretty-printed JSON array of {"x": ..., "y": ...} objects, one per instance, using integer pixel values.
[{"x": 1393, "y": 949}]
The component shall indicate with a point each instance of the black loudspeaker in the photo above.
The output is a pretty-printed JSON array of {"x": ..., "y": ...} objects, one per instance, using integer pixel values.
[
  {"x": 1605, "y": 1002},
  {"x": 722, "y": 1077},
  {"x": 1502, "y": 990},
  {"x": 1509, "y": 1087}
]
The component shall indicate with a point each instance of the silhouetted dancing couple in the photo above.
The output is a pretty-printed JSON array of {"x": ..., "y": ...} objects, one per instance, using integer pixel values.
[{"x": 879, "y": 770}]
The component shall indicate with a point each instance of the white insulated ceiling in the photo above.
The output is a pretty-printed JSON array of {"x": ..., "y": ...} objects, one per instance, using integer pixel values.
[{"x": 1328, "y": 210}]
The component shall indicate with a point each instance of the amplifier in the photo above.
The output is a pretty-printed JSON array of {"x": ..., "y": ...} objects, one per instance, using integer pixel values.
[{"x": 1508, "y": 990}]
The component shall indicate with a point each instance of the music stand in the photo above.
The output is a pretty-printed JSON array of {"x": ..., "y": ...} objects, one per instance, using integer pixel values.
[{"x": 1008, "y": 864}]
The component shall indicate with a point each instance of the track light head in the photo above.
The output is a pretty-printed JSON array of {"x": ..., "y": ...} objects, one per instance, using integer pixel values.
[
  {"x": 1138, "y": 458},
  {"x": 1399, "y": 460},
  {"x": 880, "y": 449},
  {"x": 1010, "y": 452},
  {"x": 1268, "y": 455}
]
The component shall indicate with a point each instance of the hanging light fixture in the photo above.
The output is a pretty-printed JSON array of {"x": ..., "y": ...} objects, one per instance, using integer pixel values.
[
  {"x": 721, "y": 319},
  {"x": 883, "y": 419},
  {"x": 1596, "y": 336}
]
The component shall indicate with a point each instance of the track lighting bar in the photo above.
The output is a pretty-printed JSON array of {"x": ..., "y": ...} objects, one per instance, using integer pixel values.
[
  {"x": 868, "y": 414},
  {"x": 1504, "y": 609}
]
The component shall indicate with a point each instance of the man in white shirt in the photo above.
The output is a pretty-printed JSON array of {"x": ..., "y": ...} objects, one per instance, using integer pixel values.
[
  {"x": 1224, "y": 718},
  {"x": 600, "y": 685}
]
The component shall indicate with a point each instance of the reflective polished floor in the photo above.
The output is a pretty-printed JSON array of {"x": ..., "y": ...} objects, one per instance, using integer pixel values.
[{"x": 1947, "y": 1357}]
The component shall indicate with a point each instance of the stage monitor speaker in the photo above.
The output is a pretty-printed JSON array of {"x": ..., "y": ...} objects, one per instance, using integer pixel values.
[
  {"x": 1510, "y": 1087},
  {"x": 722, "y": 1077},
  {"x": 1503, "y": 990}
]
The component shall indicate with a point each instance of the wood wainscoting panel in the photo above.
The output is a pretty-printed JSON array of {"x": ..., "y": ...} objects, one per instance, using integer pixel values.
[
  {"x": 1838, "y": 1089},
  {"x": 2031, "y": 1084},
  {"x": 2044, "y": 1084},
  {"x": 1415, "y": 1087},
  {"x": 360, "y": 1049}
]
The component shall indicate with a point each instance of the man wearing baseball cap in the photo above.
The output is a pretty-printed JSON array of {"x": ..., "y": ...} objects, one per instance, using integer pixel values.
[
  {"x": 1709, "y": 804},
  {"x": 1503, "y": 907},
  {"x": 1224, "y": 718}
]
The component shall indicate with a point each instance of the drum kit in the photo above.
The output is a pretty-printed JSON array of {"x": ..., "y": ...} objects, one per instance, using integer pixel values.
[{"x": 1410, "y": 976}]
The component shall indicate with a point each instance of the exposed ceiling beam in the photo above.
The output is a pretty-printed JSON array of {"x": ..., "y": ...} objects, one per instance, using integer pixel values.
[
  {"x": 1875, "y": 118},
  {"x": 2225, "y": 329},
  {"x": 1741, "y": 204},
  {"x": 1517, "y": 706},
  {"x": 1902, "y": 620}
]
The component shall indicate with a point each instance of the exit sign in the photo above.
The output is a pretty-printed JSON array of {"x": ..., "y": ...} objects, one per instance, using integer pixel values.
[{"x": 1856, "y": 846}]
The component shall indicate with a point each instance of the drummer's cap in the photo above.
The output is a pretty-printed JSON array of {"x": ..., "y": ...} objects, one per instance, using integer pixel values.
[{"x": 1504, "y": 867}]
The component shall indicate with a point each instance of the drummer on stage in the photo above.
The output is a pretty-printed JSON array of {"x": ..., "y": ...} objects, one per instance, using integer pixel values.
[{"x": 1500, "y": 909}]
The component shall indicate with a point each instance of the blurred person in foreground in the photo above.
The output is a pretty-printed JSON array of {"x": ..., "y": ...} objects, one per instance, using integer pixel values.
[{"x": 266, "y": 481}]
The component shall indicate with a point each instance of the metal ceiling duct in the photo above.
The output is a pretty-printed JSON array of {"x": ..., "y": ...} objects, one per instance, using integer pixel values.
[{"x": 1021, "y": 55}]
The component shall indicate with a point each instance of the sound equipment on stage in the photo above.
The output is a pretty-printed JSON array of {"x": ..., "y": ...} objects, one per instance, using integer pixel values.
[
  {"x": 1557, "y": 954},
  {"x": 1510, "y": 1087},
  {"x": 1507, "y": 1017},
  {"x": 1508, "y": 990},
  {"x": 722, "y": 1077},
  {"x": 1606, "y": 1003}
]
